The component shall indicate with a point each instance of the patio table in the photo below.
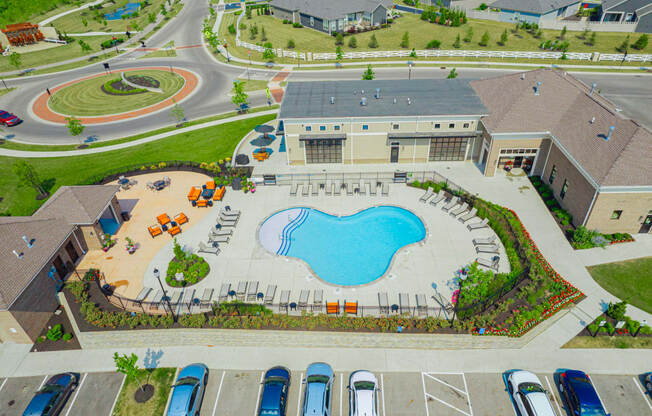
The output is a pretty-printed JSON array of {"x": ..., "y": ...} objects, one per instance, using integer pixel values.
[
  {"x": 123, "y": 181},
  {"x": 207, "y": 193},
  {"x": 158, "y": 185}
]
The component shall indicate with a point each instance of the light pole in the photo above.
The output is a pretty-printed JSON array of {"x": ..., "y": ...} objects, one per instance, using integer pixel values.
[
  {"x": 409, "y": 70},
  {"x": 5, "y": 84},
  {"x": 157, "y": 274},
  {"x": 643, "y": 323}
]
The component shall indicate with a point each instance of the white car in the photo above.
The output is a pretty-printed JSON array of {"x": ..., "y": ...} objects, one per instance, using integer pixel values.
[
  {"x": 363, "y": 394},
  {"x": 529, "y": 395}
]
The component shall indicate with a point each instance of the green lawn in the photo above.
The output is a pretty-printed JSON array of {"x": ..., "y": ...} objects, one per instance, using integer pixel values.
[
  {"x": 420, "y": 33},
  {"x": 16, "y": 11},
  {"x": 252, "y": 85},
  {"x": 4, "y": 91},
  {"x": 87, "y": 98},
  {"x": 629, "y": 280},
  {"x": 162, "y": 54},
  {"x": 609, "y": 342},
  {"x": 205, "y": 145},
  {"x": 161, "y": 379}
]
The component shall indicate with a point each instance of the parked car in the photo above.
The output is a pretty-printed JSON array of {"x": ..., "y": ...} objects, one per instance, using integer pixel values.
[
  {"x": 188, "y": 391},
  {"x": 319, "y": 386},
  {"x": 648, "y": 383},
  {"x": 579, "y": 394},
  {"x": 7, "y": 119},
  {"x": 51, "y": 398},
  {"x": 529, "y": 396},
  {"x": 363, "y": 394},
  {"x": 275, "y": 392}
]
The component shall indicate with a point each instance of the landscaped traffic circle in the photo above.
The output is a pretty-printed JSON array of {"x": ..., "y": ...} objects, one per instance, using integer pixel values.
[{"x": 119, "y": 95}]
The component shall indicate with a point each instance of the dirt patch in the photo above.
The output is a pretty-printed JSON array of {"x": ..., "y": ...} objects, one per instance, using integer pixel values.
[
  {"x": 59, "y": 317},
  {"x": 144, "y": 393}
]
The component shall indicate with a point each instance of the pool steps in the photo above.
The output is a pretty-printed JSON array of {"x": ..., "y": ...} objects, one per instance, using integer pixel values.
[{"x": 286, "y": 234}]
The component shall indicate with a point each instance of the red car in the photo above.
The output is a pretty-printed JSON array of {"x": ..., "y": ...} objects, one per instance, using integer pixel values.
[{"x": 8, "y": 119}]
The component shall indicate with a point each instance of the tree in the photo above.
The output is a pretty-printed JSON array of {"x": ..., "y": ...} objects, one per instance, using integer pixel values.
[
  {"x": 85, "y": 47},
  {"x": 84, "y": 22},
  {"x": 268, "y": 53},
  {"x": 339, "y": 39},
  {"x": 338, "y": 53},
  {"x": 585, "y": 33},
  {"x": 248, "y": 13},
  {"x": 28, "y": 176},
  {"x": 516, "y": 27},
  {"x": 457, "y": 43},
  {"x": 469, "y": 35},
  {"x": 253, "y": 30},
  {"x": 240, "y": 97},
  {"x": 151, "y": 17},
  {"x": 562, "y": 35},
  {"x": 641, "y": 42},
  {"x": 263, "y": 35},
  {"x": 368, "y": 74},
  {"x": 373, "y": 42},
  {"x": 484, "y": 41},
  {"x": 433, "y": 44},
  {"x": 624, "y": 46},
  {"x": 177, "y": 112},
  {"x": 592, "y": 39},
  {"x": 353, "y": 42},
  {"x": 405, "y": 42},
  {"x": 126, "y": 364},
  {"x": 503, "y": 38},
  {"x": 163, "y": 9},
  {"x": 14, "y": 59},
  {"x": 452, "y": 74},
  {"x": 291, "y": 44},
  {"x": 75, "y": 126}
]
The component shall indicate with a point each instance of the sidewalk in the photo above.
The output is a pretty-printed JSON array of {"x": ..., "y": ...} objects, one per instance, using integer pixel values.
[{"x": 642, "y": 247}]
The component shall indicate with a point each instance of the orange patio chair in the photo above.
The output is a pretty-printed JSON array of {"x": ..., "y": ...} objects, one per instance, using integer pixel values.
[
  {"x": 351, "y": 308},
  {"x": 219, "y": 194},
  {"x": 333, "y": 307},
  {"x": 210, "y": 185},
  {"x": 163, "y": 219},
  {"x": 174, "y": 230},
  {"x": 181, "y": 218},
  {"x": 194, "y": 193},
  {"x": 202, "y": 203},
  {"x": 154, "y": 230}
]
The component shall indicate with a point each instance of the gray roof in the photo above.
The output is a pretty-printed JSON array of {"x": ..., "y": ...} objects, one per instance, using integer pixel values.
[
  {"x": 16, "y": 274},
  {"x": 565, "y": 109},
  {"x": 427, "y": 97},
  {"x": 626, "y": 6},
  {"x": 78, "y": 204},
  {"x": 532, "y": 6},
  {"x": 331, "y": 9}
]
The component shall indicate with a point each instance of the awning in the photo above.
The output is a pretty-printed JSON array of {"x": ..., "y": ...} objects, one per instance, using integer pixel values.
[
  {"x": 304, "y": 137},
  {"x": 429, "y": 135}
]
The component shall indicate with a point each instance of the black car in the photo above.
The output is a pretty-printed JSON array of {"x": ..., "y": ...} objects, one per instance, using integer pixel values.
[
  {"x": 648, "y": 383},
  {"x": 51, "y": 398}
]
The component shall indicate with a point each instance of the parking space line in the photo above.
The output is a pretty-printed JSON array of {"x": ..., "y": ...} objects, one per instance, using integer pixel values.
[
  {"x": 3, "y": 383},
  {"x": 341, "y": 387},
  {"x": 219, "y": 389},
  {"x": 42, "y": 382},
  {"x": 637, "y": 386},
  {"x": 174, "y": 380},
  {"x": 446, "y": 384},
  {"x": 600, "y": 398},
  {"x": 260, "y": 386},
  {"x": 382, "y": 391},
  {"x": 299, "y": 399},
  {"x": 77, "y": 390},
  {"x": 447, "y": 404},
  {"x": 425, "y": 395},
  {"x": 468, "y": 397},
  {"x": 553, "y": 396},
  {"x": 117, "y": 395}
]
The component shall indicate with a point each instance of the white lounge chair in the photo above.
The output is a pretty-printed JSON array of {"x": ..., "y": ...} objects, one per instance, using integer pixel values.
[
  {"x": 303, "y": 299},
  {"x": 338, "y": 188},
  {"x": 459, "y": 210},
  {"x": 441, "y": 195},
  {"x": 285, "y": 299},
  {"x": 485, "y": 240},
  {"x": 221, "y": 231},
  {"x": 372, "y": 188},
  {"x": 329, "y": 188},
  {"x": 269, "y": 294},
  {"x": 404, "y": 303},
  {"x": 490, "y": 264},
  {"x": 349, "y": 188},
  {"x": 293, "y": 189},
  {"x": 212, "y": 238},
  {"x": 427, "y": 195},
  {"x": 206, "y": 297},
  {"x": 385, "y": 189},
  {"x": 305, "y": 189},
  {"x": 422, "y": 306},
  {"x": 225, "y": 218},
  {"x": 224, "y": 292},
  {"x": 362, "y": 190},
  {"x": 468, "y": 216},
  {"x": 478, "y": 225},
  {"x": 383, "y": 303},
  {"x": 203, "y": 248},
  {"x": 230, "y": 213},
  {"x": 318, "y": 299},
  {"x": 252, "y": 292},
  {"x": 315, "y": 189},
  {"x": 241, "y": 291},
  {"x": 487, "y": 249},
  {"x": 451, "y": 204}
]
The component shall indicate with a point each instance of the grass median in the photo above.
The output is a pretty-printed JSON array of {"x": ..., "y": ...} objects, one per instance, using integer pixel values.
[
  {"x": 629, "y": 280},
  {"x": 160, "y": 378}
]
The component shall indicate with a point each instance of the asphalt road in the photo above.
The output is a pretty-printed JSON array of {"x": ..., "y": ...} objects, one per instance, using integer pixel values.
[{"x": 633, "y": 93}]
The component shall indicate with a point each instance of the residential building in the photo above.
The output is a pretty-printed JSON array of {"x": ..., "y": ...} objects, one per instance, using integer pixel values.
[
  {"x": 637, "y": 12},
  {"x": 333, "y": 15},
  {"x": 535, "y": 11}
]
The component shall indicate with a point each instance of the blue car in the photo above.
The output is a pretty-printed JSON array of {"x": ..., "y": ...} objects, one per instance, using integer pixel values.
[
  {"x": 318, "y": 393},
  {"x": 275, "y": 392},
  {"x": 51, "y": 398},
  {"x": 188, "y": 391},
  {"x": 579, "y": 394}
]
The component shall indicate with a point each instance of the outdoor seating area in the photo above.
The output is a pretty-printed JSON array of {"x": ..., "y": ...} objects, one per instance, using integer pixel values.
[
  {"x": 204, "y": 196},
  {"x": 222, "y": 231},
  {"x": 158, "y": 185},
  {"x": 172, "y": 226},
  {"x": 126, "y": 183},
  {"x": 334, "y": 187}
]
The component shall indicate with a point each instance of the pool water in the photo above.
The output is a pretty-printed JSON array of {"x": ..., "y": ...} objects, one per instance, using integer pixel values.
[{"x": 346, "y": 251}]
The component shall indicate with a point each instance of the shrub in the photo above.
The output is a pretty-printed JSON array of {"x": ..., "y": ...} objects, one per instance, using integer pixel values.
[
  {"x": 641, "y": 42},
  {"x": 484, "y": 41},
  {"x": 608, "y": 328},
  {"x": 67, "y": 336},
  {"x": 624, "y": 46},
  {"x": 373, "y": 42},
  {"x": 593, "y": 328},
  {"x": 291, "y": 44},
  {"x": 483, "y": 6},
  {"x": 405, "y": 42},
  {"x": 339, "y": 39},
  {"x": 55, "y": 333},
  {"x": 353, "y": 42},
  {"x": 433, "y": 44},
  {"x": 297, "y": 25},
  {"x": 617, "y": 311}
]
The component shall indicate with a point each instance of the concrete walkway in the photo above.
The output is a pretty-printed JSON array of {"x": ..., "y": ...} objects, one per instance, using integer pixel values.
[
  {"x": 37, "y": 154},
  {"x": 642, "y": 247}
]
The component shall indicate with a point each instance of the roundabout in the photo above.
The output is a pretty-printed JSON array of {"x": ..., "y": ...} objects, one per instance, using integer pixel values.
[{"x": 118, "y": 96}]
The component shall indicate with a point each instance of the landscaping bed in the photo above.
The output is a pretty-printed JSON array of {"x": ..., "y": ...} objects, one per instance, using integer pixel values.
[
  {"x": 55, "y": 343},
  {"x": 606, "y": 325},
  {"x": 117, "y": 87},
  {"x": 193, "y": 267},
  {"x": 143, "y": 81},
  {"x": 160, "y": 378}
]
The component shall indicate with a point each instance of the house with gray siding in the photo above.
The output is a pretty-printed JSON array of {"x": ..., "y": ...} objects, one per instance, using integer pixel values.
[
  {"x": 333, "y": 15},
  {"x": 535, "y": 11},
  {"x": 637, "y": 12}
]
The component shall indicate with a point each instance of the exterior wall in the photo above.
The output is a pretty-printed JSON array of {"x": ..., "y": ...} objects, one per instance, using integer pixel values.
[
  {"x": 283, "y": 14},
  {"x": 512, "y": 16},
  {"x": 644, "y": 24},
  {"x": 33, "y": 308},
  {"x": 92, "y": 235},
  {"x": 497, "y": 144},
  {"x": 635, "y": 207},
  {"x": 116, "y": 209},
  {"x": 318, "y": 22},
  {"x": 580, "y": 192},
  {"x": 379, "y": 16},
  {"x": 544, "y": 150},
  {"x": 11, "y": 331}
]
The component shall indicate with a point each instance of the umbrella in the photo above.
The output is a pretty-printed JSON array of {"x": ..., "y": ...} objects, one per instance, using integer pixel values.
[
  {"x": 265, "y": 129},
  {"x": 263, "y": 149},
  {"x": 263, "y": 140}
]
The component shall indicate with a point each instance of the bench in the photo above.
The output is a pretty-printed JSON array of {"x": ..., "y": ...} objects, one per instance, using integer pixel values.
[
  {"x": 174, "y": 230},
  {"x": 351, "y": 308},
  {"x": 219, "y": 193},
  {"x": 333, "y": 307},
  {"x": 194, "y": 193},
  {"x": 154, "y": 230},
  {"x": 181, "y": 218}
]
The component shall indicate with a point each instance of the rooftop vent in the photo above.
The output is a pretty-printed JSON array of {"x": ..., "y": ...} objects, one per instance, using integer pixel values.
[
  {"x": 19, "y": 255},
  {"x": 409, "y": 101},
  {"x": 362, "y": 92},
  {"x": 332, "y": 100},
  {"x": 592, "y": 88},
  {"x": 523, "y": 75},
  {"x": 608, "y": 136},
  {"x": 592, "y": 120},
  {"x": 363, "y": 101},
  {"x": 29, "y": 243},
  {"x": 377, "y": 95},
  {"x": 537, "y": 89},
  {"x": 394, "y": 101},
  {"x": 355, "y": 92}
]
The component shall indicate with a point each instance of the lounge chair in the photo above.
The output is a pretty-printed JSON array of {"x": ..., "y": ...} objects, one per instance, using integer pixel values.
[
  {"x": 218, "y": 238},
  {"x": 229, "y": 213},
  {"x": 252, "y": 292},
  {"x": 315, "y": 189},
  {"x": 383, "y": 303},
  {"x": 206, "y": 297},
  {"x": 175, "y": 298},
  {"x": 219, "y": 193},
  {"x": 333, "y": 307},
  {"x": 493, "y": 248},
  {"x": 188, "y": 297},
  {"x": 229, "y": 218},
  {"x": 478, "y": 225},
  {"x": 241, "y": 291},
  {"x": 150, "y": 185},
  {"x": 193, "y": 195},
  {"x": 154, "y": 230},
  {"x": 157, "y": 299},
  {"x": 285, "y": 299},
  {"x": 163, "y": 219},
  {"x": 349, "y": 188},
  {"x": 441, "y": 195},
  {"x": 180, "y": 218},
  {"x": 338, "y": 188},
  {"x": 459, "y": 210},
  {"x": 490, "y": 264},
  {"x": 305, "y": 189},
  {"x": 329, "y": 188},
  {"x": 142, "y": 295},
  {"x": 317, "y": 299},
  {"x": 225, "y": 223},
  {"x": 422, "y": 306},
  {"x": 203, "y": 248},
  {"x": 351, "y": 308},
  {"x": 269, "y": 294},
  {"x": 174, "y": 230},
  {"x": 372, "y": 188},
  {"x": 468, "y": 216},
  {"x": 385, "y": 189},
  {"x": 221, "y": 231},
  {"x": 485, "y": 240},
  {"x": 303, "y": 299},
  {"x": 404, "y": 303},
  {"x": 362, "y": 190},
  {"x": 451, "y": 204},
  {"x": 293, "y": 189},
  {"x": 427, "y": 195},
  {"x": 224, "y": 292}
]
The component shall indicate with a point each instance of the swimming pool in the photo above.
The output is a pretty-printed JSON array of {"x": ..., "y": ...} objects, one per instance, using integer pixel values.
[{"x": 346, "y": 251}]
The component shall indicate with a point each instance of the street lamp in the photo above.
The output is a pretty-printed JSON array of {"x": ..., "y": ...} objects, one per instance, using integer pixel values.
[
  {"x": 157, "y": 274},
  {"x": 409, "y": 70}
]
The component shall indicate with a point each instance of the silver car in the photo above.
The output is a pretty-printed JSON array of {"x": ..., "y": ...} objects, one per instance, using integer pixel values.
[{"x": 363, "y": 394}]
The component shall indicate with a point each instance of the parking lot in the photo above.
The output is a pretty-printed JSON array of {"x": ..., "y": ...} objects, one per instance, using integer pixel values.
[{"x": 237, "y": 393}]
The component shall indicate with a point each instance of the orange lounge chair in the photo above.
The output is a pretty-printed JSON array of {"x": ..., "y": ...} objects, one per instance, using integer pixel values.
[
  {"x": 333, "y": 307},
  {"x": 351, "y": 308},
  {"x": 174, "y": 230},
  {"x": 163, "y": 219},
  {"x": 194, "y": 193},
  {"x": 210, "y": 185},
  {"x": 181, "y": 218},
  {"x": 154, "y": 230},
  {"x": 219, "y": 194}
]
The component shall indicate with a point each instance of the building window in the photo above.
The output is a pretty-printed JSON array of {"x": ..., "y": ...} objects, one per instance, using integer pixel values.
[
  {"x": 616, "y": 214},
  {"x": 437, "y": 125},
  {"x": 337, "y": 128},
  {"x": 447, "y": 148},
  {"x": 395, "y": 126},
  {"x": 466, "y": 125},
  {"x": 451, "y": 126},
  {"x": 365, "y": 127},
  {"x": 322, "y": 128},
  {"x": 325, "y": 25},
  {"x": 564, "y": 189},
  {"x": 312, "y": 21},
  {"x": 324, "y": 151},
  {"x": 308, "y": 128},
  {"x": 553, "y": 173}
]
